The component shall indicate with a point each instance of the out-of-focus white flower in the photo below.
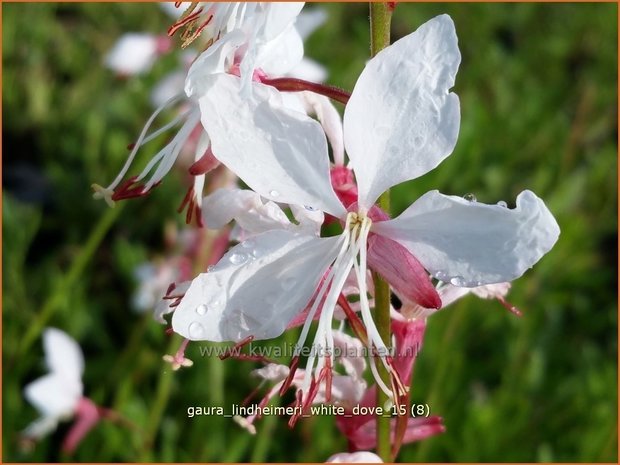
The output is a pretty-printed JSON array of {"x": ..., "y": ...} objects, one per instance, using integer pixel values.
[
  {"x": 57, "y": 394},
  {"x": 134, "y": 53},
  {"x": 355, "y": 457}
]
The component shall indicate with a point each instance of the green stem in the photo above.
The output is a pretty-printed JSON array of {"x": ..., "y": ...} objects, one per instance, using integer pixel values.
[
  {"x": 162, "y": 396},
  {"x": 76, "y": 271},
  {"x": 380, "y": 20}
]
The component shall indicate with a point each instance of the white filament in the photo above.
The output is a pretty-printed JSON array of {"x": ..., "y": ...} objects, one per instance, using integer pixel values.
[{"x": 140, "y": 141}]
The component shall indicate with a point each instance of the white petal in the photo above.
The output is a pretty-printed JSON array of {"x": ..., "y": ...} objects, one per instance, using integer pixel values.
[
  {"x": 309, "y": 219},
  {"x": 63, "y": 355},
  {"x": 351, "y": 354},
  {"x": 40, "y": 427},
  {"x": 330, "y": 119},
  {"x": 272, "y": 372},
  {"x": 309, "y": 20},
  {"x": 281, "y": 54},
  {"x": 256, "y": 288},
  {"x": 246, "y": 208},
  {"x": 348, "y": 390},
  {"x": 280, "y": 154},
  {"x": 269, "y": 25},
  {"x": 215, "y": 60},
  {"x": 401, "y": 122},
  {"x": 450, "y": 294},
  {"x": 132, "y": 54},
  {"x": 53, "y": 395},
  {"x": 171, "y": 85},
  {"x": 309, "y": 70},
  {"x": 355, "y": 457},
  {"x": 278, "y": 16},
  {"x": 469, "y": 243},
  {"x": 492, "y": 291}
]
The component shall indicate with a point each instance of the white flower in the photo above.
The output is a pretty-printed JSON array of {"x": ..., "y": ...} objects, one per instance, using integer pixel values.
[
  {"x": 355, "y": 457},
  {"x": 134, "y": 53},
  {"x": 246, "y": 36},
  {"x": 400, "y": 122},
  {"x": 57, "y": 394}
]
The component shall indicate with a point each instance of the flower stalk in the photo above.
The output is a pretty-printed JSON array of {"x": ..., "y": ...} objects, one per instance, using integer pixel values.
[{"x": 380, "y": 21}]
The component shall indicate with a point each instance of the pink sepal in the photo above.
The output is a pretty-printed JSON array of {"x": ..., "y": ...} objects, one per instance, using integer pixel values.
[{"x": 87, "y": 416}]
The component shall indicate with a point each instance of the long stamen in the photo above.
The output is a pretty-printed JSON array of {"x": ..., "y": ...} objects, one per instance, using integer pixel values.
[
  {"x": 325, "y": 285},
  {"x": 365, "y": 309},
  {"x": 341, "y": 269},
  {"x": 171, "y": 151},
  {"x": 139, "y": 142},
  {"x": 375, "y": 374}
]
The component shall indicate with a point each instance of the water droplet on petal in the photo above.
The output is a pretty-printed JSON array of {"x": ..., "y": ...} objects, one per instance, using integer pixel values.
[
  {"x": 470, "y": 197},
  {"x": 201, "y": 309},
  {"x": 457, "y": 281},
  {"x": 210, "y": 268},
  {"x": 256, "y": 253},
  {"x": 196, "y": 330},
  {"x": 441, "y": 276},
  {"x": 238, "y": 258},
  {"x": 216, "y": 304},
  {"x": 501, "y": 203},
  {"x": 274, "y": 193},
  {"x": 309, "y": 208},
  {"x": 247, "y": 244}
]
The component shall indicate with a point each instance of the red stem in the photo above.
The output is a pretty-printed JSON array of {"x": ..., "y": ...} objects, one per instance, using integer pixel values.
[{"x": 298, "y": 85}]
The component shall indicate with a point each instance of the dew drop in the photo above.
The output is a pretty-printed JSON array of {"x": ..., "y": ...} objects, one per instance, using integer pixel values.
[
  {"x": 274, "y": 193},
  {"x": 470, "y": 197},
  {"x": 256, "y": 253},
  {"x": 457, "y": 281},
  {"x": 216, "y": 304},
  {"x": 309, "y": 208},
  {"x": 196, "y": 330},
  {"x": 441, "y": 276},
  {"x": 210, "y": 268},
  {"x": 247, "y": 244},
  {"x": 201, "y": 309},
  {"x": 238, "y": 258},
  {"x": 501, "y": 203}
]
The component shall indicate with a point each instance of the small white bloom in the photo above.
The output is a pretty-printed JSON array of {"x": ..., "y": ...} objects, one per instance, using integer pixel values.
[
  {"x": 57, "y": 394},
  {"x": 355, "y": 457},
  {"x": 134, "y": 53}
]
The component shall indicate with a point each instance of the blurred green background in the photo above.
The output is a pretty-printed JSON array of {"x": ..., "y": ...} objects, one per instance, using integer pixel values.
[{"x": 538, "y": 90}]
